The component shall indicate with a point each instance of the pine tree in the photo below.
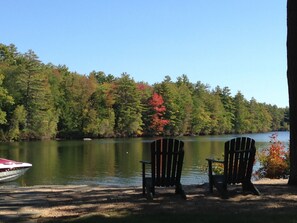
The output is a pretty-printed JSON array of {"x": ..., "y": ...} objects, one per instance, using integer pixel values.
[{"x": 127, "y": 107}]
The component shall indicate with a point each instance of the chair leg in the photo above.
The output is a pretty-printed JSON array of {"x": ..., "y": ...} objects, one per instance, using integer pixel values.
[
  {"x": 143, "y": 178},
  {"x": 149, "y": 190},
  {"x": 143, "y": 188},
  {"x": 249, "y": 186},
  {"x": 210, "y": 178},
  {"x": 210, "y": 185},
  {"x": 179, "y": 190},
  {"x": 222, "y": 189}
]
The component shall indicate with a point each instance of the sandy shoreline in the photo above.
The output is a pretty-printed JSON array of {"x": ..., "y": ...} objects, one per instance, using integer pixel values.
[{"x": 40, "y": 203}]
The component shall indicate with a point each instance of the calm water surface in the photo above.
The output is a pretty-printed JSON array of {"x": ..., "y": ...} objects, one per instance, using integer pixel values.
[{"x": 112, "y": 161}]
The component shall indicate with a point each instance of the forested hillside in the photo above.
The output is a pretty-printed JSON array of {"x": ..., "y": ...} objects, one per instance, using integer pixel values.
[{"x": 44, "y": 101}]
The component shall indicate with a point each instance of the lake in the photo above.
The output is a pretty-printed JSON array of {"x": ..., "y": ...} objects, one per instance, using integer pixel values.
[{"x": 113, "y": 161}]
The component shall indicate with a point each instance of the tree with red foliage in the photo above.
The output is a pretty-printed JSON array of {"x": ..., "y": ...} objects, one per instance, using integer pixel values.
[
  {"x": 158, "y": 109},
  {"x": 274, "y": 160}
]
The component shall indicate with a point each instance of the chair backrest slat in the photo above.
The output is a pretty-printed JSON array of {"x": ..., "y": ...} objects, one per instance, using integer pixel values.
[
  {"x": 167, "y": 160},
  {"x": 169, "y": 165},
  {"x": 239, "y": 159}
]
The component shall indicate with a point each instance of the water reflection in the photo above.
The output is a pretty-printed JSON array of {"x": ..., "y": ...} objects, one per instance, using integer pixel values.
[{"x": 112, "y": 161}]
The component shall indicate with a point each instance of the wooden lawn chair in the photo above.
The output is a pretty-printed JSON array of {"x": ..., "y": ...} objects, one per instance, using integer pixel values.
[
  {"x": 239, "y": 158},
  {"x": 166, "y": 167}
]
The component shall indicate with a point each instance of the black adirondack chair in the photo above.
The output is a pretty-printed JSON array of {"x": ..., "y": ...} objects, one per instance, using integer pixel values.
[
  {"x": 166, "y": 167},
  {"x": 238, "y": 164}
]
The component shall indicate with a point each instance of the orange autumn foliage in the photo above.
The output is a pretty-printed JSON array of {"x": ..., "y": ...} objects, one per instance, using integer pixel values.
[{"x": 274, "y": 160}]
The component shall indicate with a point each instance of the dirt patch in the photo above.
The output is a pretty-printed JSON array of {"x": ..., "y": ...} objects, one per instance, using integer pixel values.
[{"x": 40, "y": 203}]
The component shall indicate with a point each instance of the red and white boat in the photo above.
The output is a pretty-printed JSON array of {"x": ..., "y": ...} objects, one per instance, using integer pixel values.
[{"x": 11, "y": 170}]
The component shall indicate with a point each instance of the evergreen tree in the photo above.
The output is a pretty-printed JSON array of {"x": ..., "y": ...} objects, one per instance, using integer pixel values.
[
  {"x": 259, "y": 117},
  {"x": 100, "y": 120},
  {"x": 227, "y": 101},
  {"x": 77, "y": 91},
  {"x": 218, "y": 122},
  {"x": 17, "y": 123},
  {"x": 146, "y": 92},
  {"x": 201, "y": 120},
  {"x": 242, "y": 117},
  {"x": 32, "y": 90},
  {"x": 5, "y": 98},
  {"x": 101, "y": 77},
  {"x": 127, "y": 107},
  {"x": 278, "y": 118},
  {"x": 185, "y": 106}
]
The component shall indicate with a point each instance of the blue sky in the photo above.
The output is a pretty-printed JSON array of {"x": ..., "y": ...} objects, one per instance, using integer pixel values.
[{"x": 234, "y": 43}]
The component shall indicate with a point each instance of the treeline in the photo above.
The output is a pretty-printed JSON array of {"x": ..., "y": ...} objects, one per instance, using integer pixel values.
[{"x": 44, "y": 101}]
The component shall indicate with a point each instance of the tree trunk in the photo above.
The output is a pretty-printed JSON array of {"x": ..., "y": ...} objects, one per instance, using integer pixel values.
[{"x": 292, "y": 85}]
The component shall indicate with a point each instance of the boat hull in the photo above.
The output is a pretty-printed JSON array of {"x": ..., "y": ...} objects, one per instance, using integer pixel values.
[{"x": 11, "y": 170}]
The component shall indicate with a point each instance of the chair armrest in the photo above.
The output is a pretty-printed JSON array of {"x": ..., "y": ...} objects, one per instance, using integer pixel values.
[
  {"x": 210, "y": 162},
  {"x": 214, "y": 160},
  {"x": 145, "y": 162}
]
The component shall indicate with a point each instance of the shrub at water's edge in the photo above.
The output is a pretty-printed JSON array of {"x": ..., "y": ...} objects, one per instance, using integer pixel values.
[{"x": 274, "y": 160}]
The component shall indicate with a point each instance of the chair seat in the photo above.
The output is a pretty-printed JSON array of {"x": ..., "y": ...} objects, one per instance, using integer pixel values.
[
  {"x": 219, "y": 179},
  {"x": 168, "y": 182}
]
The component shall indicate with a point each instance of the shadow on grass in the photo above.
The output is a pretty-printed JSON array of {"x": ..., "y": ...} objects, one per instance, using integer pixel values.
[
  {"x": 278, "y": 203},
  {"x": 187, "y": 218}
]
